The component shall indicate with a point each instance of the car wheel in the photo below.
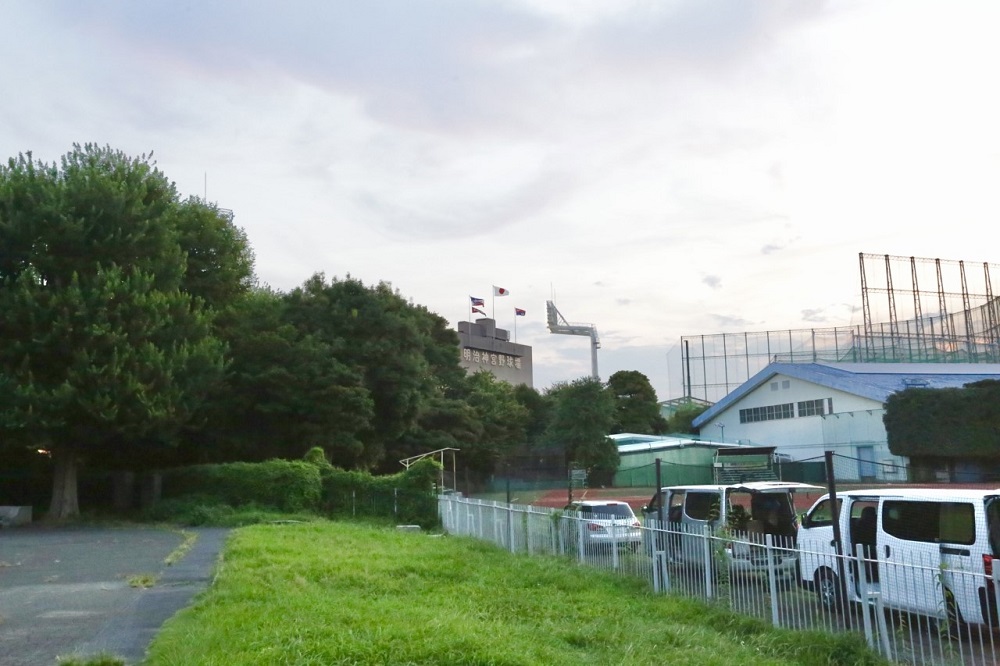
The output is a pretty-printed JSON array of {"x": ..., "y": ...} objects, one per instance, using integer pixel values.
[{"x": 828, "y": 590}]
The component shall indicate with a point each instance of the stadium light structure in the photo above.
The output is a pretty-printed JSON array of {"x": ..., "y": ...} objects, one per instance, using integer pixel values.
[{"x": 559, "y": 325}]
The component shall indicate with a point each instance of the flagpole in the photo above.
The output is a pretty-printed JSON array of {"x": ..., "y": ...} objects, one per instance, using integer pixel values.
[{"x": 515, "y": 327}]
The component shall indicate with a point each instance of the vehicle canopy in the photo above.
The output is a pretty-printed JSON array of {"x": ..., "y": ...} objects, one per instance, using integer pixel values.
[
  {"x": 942, "y": 494},
  {"x": 737, "y": 504},
  {"x": 752, "y": 487}
]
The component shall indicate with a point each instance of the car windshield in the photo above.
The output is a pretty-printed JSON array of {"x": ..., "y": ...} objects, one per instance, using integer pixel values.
[{"x": 609, "y": 510}]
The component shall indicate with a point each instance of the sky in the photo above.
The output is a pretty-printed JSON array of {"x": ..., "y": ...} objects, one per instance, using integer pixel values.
[{"x": 657, "y": 169}]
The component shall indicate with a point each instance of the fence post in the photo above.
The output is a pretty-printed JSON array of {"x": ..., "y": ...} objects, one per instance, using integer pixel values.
[
  {"x": 772, "y": 578},
  {"x": 510, "y": 528},
  {"x": 614, "y": 544},
  {"x": 395, "y": 503},
  {"x": 831, "y": 482},
  {"x": 555, "y": 536},
  {"x": 706, "y": 533},
  {"x": 996, "y": 593},
  {"x": 657, "y": 536},
  {"x": 871, "y": 602},
  {"x": 354, "y": 503},
  {"x": 658, "y": 568}
]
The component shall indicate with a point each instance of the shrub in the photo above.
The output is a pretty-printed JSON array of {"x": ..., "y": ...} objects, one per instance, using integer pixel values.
[
  {"x": 406, "y": 497},
  {"x": 222, "y": 494},
  {"x": 316, "y": 456},
  {"x": 282, "y": 485}
]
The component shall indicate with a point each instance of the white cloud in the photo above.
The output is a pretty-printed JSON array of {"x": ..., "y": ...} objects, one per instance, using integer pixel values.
[{"x": 667, "y": 169}]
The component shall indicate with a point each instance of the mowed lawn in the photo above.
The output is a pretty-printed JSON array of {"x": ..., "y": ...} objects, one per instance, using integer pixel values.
[{"x": 341, "y": 593}]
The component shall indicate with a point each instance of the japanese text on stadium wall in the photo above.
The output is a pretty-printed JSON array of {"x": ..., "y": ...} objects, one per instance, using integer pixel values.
[{"x": 489, "y": 358}]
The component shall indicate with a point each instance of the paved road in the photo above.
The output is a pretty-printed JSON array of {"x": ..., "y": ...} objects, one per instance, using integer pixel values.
[{"x": 65, "y": 591}]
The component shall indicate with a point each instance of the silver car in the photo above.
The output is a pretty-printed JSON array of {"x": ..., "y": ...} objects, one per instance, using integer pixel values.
[{"x": 602, "y": 523}]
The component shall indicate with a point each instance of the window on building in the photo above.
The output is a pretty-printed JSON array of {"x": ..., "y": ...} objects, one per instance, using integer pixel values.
[
  {"x": 768, "y": 413},
  {"x": 812, "y": 407}
]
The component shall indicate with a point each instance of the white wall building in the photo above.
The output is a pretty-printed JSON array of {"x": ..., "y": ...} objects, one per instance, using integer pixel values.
[{"x": 805, "y": 409}]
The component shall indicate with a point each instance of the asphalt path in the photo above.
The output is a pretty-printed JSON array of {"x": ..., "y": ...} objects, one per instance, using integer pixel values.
[{"x": 65, "y": 591}]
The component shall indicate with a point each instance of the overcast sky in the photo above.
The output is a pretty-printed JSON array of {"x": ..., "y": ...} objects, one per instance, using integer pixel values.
[{"x": 660, "y": 168}]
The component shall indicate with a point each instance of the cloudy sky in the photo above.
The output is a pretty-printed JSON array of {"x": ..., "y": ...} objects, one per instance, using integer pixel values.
[{"x": 659, "y": 168}]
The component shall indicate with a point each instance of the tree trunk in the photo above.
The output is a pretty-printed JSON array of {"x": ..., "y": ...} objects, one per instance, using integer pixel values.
[
  {"x": 65, "y": 503},
  {"x": 151, "y": 489},
  {"x": 124, "y": 490}
]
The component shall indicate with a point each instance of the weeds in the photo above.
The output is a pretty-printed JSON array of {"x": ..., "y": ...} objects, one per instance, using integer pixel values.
[{"x": 142, "y": 580}]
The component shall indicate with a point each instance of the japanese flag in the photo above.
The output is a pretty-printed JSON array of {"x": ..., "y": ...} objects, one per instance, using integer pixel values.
[{"x": 500, "y": 291}]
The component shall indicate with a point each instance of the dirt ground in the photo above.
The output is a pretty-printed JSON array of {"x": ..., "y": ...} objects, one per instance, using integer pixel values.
[{"x": 635, "y": 497}]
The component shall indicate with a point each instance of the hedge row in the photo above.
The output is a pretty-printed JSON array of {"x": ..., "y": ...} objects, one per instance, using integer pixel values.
[
  {"x": 284, "y": 485},
  {"x": 407, "y": 497},
  {"x": 314, "y": 486}
]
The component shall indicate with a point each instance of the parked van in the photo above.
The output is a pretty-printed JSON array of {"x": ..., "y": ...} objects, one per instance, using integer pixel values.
[
  {"x": 925, "y": 551},
  {"x": 747, "y": 512}
]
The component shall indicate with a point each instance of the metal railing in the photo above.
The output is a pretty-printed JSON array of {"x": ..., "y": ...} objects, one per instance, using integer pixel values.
[{"x": 912, "y": 612}]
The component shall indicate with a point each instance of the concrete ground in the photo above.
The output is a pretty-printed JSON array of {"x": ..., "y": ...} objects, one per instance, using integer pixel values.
[{"x": 64, "y": 591}]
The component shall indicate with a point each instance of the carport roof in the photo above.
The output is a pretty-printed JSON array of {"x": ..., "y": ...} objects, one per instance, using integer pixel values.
[
  {"x": 630, "y": 443},
  {"x": 875, "y": 381}
]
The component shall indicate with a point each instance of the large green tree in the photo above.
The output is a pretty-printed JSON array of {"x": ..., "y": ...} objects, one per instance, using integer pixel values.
[
  {"x": 405, "y": 356},
  {"x": 538, "y": 407},
  {"x": 581, "y": 419},
  {"x": 636, "y": 407},
  {"x": 285, "y": 392},
  {"x": 504, "y": 422},
  {"x": 103, "y": 350}
]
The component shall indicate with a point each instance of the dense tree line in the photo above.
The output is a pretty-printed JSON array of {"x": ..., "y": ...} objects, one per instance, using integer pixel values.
[
  {"x": 925, "y": 423},
  {"x": 133, "y": 336}
]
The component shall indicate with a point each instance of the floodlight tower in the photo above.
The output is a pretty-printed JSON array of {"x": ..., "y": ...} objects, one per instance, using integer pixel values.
[{"x": 558, "y": 324}]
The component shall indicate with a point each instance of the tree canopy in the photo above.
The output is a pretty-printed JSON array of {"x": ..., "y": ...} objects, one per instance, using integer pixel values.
[
  {"x": 101, "y": 343},
  {"x": 582, "y": 416},
  {"x": 636, "y": 407},
  {"x": 953, "y": 422}
]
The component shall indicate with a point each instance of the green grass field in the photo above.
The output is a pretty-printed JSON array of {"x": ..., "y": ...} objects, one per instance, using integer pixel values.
[{"x": 340, "y": 593}]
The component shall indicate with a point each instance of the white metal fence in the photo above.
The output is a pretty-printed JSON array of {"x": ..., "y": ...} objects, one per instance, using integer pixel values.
[{"x": 913, "y": 612}]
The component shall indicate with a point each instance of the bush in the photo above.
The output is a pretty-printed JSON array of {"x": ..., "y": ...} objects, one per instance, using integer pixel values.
[
  {"x": 229, "y": 493},
  {"x": 407, "y": 497},
  {"x": 282, "y": 485}
]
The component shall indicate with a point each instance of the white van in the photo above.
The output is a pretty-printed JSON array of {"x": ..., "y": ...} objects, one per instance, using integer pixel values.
[
  {"x": 745, "y": 512},
  {"x": 925, "y": 551}
]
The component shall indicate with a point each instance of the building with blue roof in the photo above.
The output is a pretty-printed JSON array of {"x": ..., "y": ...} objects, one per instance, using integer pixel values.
[{"x": 805, "y": 409}]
